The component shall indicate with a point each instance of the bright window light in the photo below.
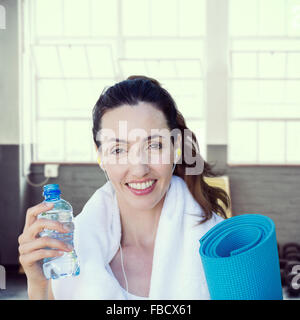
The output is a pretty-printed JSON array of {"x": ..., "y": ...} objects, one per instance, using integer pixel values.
[
  {"x": 264, "y": 80},
  {"x": 77, "y": 48}
]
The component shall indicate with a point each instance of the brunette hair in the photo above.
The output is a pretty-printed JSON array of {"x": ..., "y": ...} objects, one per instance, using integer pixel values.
[{"x": 137, "y": 89}]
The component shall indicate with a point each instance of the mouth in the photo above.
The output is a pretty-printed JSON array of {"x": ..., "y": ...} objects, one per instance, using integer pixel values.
[{"x": 142, "y": 188}]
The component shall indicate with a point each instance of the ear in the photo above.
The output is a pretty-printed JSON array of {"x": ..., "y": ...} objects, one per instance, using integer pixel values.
[
  {"x": 177, "y": 148},
  {"x": 178, "y": 142},
  {"x": 98, "y": 156}
]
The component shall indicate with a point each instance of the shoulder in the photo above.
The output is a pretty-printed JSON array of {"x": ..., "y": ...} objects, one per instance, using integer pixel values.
[
  {"x": 215, "y": 219},
  {"x": 200, "y": 228}
]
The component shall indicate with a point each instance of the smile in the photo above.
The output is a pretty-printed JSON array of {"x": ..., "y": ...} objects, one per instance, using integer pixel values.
[{"x": 141, "y": 188}]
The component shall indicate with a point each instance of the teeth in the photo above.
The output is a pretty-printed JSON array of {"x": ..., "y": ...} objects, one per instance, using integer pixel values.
[{"x": 141, "y": 186}]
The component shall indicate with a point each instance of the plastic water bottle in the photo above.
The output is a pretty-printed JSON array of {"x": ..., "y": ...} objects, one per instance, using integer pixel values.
[{"x": 67, "y": 264}]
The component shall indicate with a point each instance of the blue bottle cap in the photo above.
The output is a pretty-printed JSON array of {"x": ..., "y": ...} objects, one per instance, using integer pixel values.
[{"x": 51, "y": 189}]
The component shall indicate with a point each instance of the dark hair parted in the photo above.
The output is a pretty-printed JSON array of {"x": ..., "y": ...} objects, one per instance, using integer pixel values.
[{"x": 137, "y": 89}]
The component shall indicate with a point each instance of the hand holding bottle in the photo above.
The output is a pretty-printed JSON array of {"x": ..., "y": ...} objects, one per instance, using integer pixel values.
[{"x": 32, "y": 247}]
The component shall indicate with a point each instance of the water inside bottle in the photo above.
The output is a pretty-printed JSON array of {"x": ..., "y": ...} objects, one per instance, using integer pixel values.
[{"x": 66, "y": 265}]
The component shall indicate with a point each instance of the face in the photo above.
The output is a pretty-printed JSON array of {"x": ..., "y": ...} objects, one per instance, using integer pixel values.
[{"x": 138, "y": 158}]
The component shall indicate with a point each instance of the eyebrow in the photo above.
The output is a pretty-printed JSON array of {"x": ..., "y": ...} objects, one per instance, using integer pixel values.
[{"x": 148, "y": 138}]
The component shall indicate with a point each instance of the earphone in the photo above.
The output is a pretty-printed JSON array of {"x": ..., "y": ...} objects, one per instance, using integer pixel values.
[
  {"x": 178, "y": 153},
  {"x": 99, "y": 161}
]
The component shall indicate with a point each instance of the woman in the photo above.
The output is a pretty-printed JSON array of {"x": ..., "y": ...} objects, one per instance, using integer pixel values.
[{"x": 143, "y": 105}]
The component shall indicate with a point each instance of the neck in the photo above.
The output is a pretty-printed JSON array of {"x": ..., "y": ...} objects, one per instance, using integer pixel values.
[{"x": 139, "y": 227}]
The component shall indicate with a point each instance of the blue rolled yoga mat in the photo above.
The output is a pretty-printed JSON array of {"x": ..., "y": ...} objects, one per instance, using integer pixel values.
[{"x": 240, "y": 259}]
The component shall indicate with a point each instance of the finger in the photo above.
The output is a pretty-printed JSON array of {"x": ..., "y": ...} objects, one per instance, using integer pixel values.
[
  {"x": 29, "y": 259},
  {"x": 41, "y": 224},
  {"x": 43, "y": 242},
  {"x": 33, "y": 212}
]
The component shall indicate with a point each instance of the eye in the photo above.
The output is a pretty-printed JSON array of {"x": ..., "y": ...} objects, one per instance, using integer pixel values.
[
  {"x": 114, "y": 151},
  {"x": 158, "y": 145}
]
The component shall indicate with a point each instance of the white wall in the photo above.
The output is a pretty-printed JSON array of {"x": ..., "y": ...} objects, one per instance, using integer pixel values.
[
  {"x": 9, "y": 86},
  {"x": 217, "y": 71}
]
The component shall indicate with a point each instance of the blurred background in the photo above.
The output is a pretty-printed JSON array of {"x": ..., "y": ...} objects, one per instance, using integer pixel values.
[{"x": 232, "y": 66}]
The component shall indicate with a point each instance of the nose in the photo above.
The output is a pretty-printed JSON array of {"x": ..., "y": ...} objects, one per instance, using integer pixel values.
[
  {"x": 138, "y": 162},
  {"x": 139, "y": 170}
]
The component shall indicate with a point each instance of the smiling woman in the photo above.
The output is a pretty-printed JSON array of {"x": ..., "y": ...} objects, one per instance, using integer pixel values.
[
  {"x": 141, "y": 229},
  {"x": 140, "y": 172}
]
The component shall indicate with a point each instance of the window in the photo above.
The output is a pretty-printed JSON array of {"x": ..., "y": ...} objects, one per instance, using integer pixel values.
[
  {"x": 264, "y": 115},
  {"x": 74, "y": 49}
]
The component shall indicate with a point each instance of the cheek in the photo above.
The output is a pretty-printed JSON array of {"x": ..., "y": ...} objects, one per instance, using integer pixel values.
[
  {"x": 161, "y": 170},
  {"x": 116, "y": 173},
  {"x": 160, "y": 158}
]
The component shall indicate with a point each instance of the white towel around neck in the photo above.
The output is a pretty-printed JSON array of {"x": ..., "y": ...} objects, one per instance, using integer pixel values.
[{"x": 177, "y": 271}]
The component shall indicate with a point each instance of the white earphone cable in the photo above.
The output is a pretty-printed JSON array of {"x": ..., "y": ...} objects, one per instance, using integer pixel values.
[
  {"x": 122, "y": 263},
  {"x": 124, "y": 270}
]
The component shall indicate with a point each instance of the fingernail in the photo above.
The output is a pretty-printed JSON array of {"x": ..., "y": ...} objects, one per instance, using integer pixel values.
[
  {"x": 69, "y": 247},
  {"x": 61, "y": 253}
]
